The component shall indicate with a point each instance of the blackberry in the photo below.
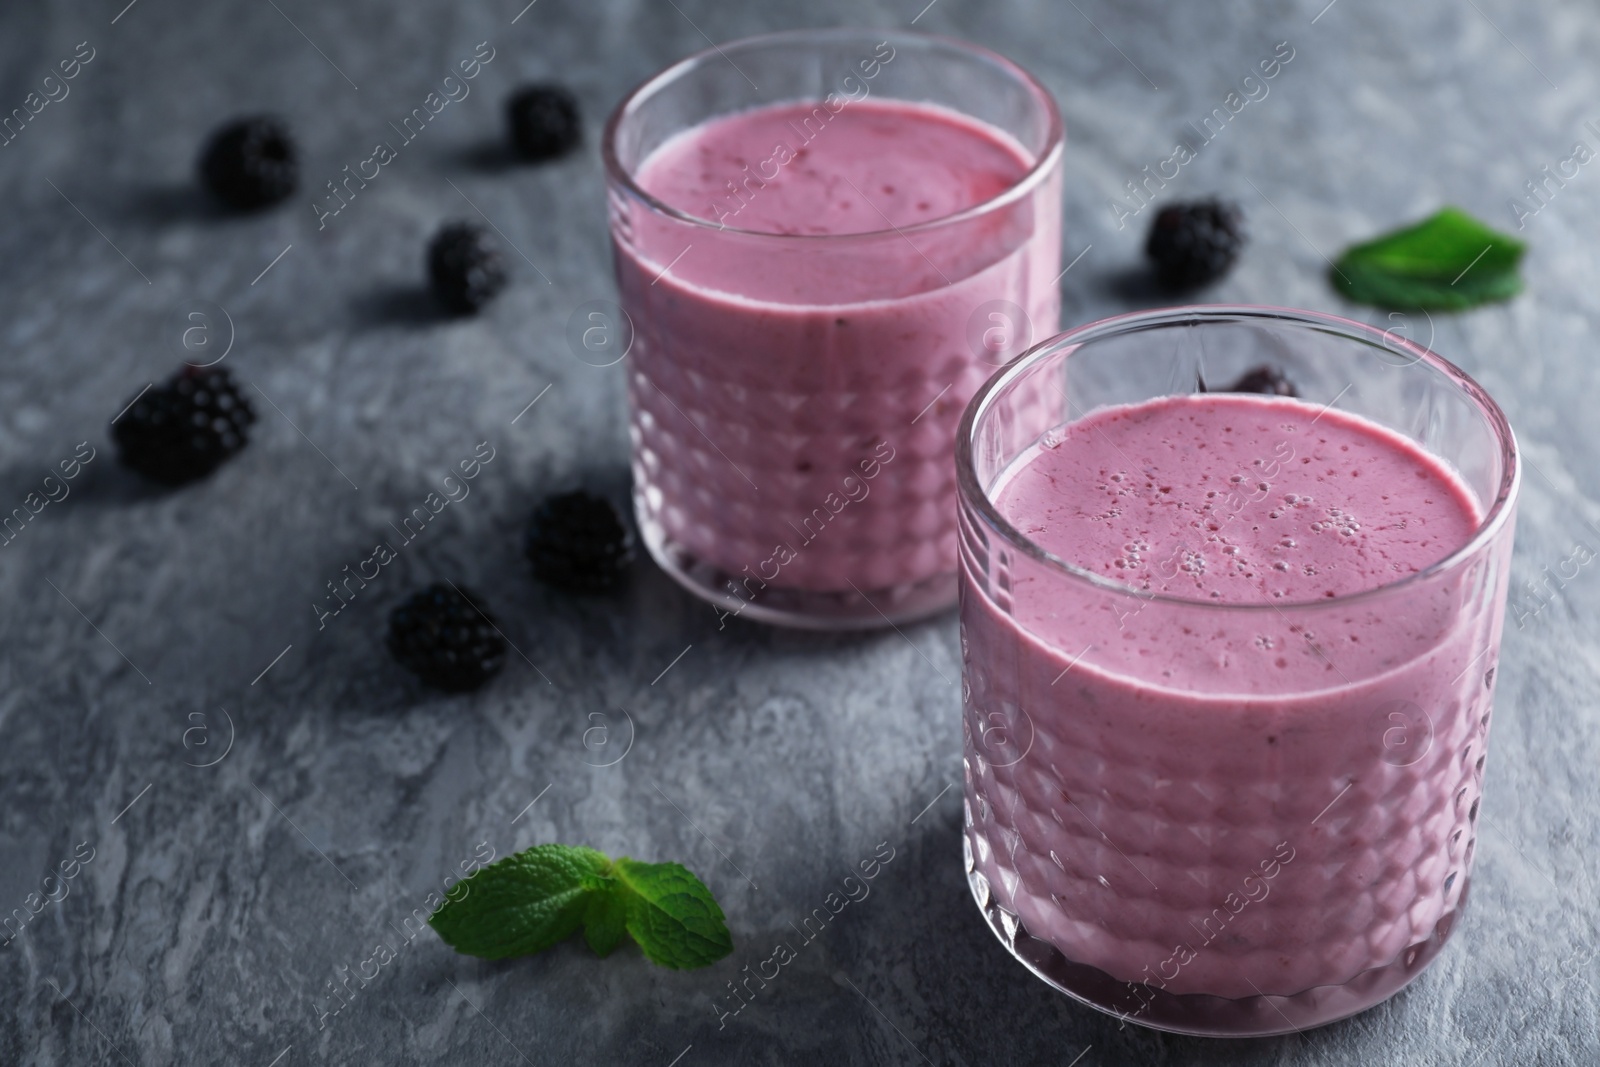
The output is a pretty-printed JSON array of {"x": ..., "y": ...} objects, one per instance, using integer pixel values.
[
  {"x": 1263, "y": 379},
  {"x": 446, "y": 637},
  {"x": 251, "y": 163},
  {"x": 184, "y": 428},
  {"x": 576, "y": 541},
  {"x": 465, "y": 267},
  {"x": 544, "y": 122},
  {"x": 1194, "y": 244}
]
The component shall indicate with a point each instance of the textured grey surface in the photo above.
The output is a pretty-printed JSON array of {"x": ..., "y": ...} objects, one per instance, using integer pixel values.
[{"x": 220, "y": 904}]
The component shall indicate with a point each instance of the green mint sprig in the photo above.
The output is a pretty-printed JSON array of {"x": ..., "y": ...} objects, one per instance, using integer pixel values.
[
  {"x": 1450, "y": 261},
  {"x": 537, "y": 898}
]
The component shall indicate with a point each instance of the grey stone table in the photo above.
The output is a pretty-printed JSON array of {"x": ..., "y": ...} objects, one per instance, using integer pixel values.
[{"x": 147, "y": 634}]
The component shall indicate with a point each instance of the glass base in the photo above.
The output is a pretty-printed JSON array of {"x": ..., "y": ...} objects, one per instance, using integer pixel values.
[
  {"x": 1201, "y": 1015},
  {"x": 804, "y": 609}
]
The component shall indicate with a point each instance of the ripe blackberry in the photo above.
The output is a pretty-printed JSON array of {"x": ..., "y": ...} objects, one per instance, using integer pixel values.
[
  {"x": 1194, "y": 244},
  {"x": 250, "y": 163},
  {"x": 465, "y": 267},
  {"x": 544, "y": 122},
  {"x": 185, "y": 427},
  {"x": 576, "y": 541},
  {"x": 446, "y": 638},
  {"x": 1264, "y": 379}
]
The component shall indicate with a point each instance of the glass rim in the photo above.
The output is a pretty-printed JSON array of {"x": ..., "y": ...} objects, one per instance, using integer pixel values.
[
  {"x": 970, "y": 493},
  {"x": 1055, "y": 137}
]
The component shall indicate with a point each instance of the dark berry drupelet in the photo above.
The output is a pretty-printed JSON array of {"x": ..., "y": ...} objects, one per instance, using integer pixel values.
[
  {"x": 251, "y": 163},
  {"x": 447, "y": 638},
  {"x": 544, "y": 122},
  {"x": 576, "y": 541},
  {"x": 184, "y": 428},
  {"x": 465, "y": 267},
  {"x": 1195, "y": 244}
]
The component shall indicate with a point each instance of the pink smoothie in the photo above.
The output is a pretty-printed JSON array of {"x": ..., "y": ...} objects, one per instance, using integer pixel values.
[
  {"x": 1229, "y": 802},
  {"x": 794, "y": 401},
  {"x": 873, "y": 166}
]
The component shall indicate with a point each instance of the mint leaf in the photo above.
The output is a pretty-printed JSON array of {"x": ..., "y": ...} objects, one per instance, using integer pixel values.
[
  {"x": 524, "y": 903},
  {"x": 1450, "y": 261},
  {"x": 672, "y": 915},
  {"x": 539, "y": 897},
  {"x": 605, "y": 920}
]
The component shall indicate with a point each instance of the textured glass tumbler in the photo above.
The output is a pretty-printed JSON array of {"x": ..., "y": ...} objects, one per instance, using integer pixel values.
[
  {"x": 793, "y": 441},
  {"x": 1226, "y": 858}
]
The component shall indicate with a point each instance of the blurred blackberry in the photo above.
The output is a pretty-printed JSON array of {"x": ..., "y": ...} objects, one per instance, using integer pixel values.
[
  {"x": 544, "y": 122},
  {"x": 465, "y": 267},
  {"x": 576, "y": 541},
  {"x": 446, "y": 638},
  {"x": 184, "y": 428},
  {"x": 1264, "y": 379},
  {"x": 251, "y": 163},
  {"x": 1196, "y": 243}
]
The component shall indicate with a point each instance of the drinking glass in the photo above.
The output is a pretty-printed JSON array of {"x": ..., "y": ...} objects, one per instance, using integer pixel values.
[
  {"x": 1217, "y": 856},
  {"x": 793, "y": 440}
]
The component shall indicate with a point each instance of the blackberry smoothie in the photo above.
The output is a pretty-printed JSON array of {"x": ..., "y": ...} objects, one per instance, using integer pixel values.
[
  {"x": 825, "y": 284},
  {"x": 1220, "y": 781}
]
